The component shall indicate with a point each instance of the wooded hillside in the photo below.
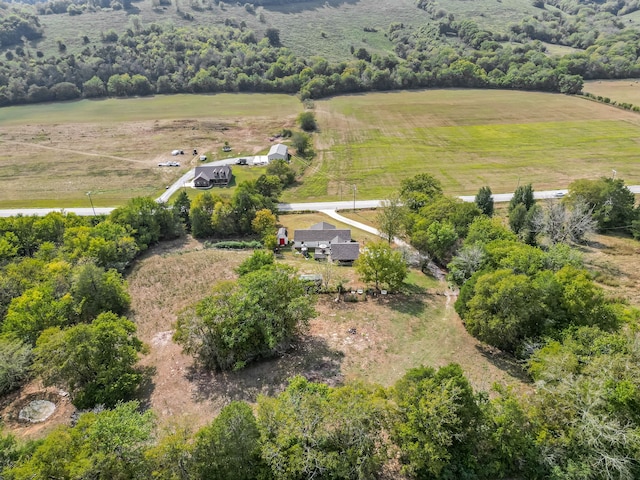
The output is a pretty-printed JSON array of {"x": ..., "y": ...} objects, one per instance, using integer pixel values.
[{"x": 152, "y": 47}]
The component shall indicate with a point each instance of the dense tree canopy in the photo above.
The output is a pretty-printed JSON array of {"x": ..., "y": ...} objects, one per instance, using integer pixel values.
[
  {"x": 94, "y": 362},
  {"x": 611, "y": 202},
  {"x": 255, "y": 317}
]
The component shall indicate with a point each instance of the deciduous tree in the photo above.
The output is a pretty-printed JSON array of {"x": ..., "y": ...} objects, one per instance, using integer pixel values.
[
  {"x": 380, "y": 264},
  {"x": 391, "y": 218},
  {"x": 95, "y": 362},
  {"x": 255, "y": 317},
  {"x": 229, "y": 448},
  {"x": 314, "y": 431}
]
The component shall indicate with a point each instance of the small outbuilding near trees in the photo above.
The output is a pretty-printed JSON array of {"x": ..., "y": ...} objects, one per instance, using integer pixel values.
[{"x": 278, "y": 151}]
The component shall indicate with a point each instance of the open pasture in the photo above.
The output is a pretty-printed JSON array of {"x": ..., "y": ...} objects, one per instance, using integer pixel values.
[
  {"x": 52, "y": 154},
  {"x": 466, "y": 139},
  {"x": 621, "y": 91}
]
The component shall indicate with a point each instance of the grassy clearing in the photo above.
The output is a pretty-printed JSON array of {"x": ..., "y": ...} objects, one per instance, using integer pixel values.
[
  {"x": 392, "y": 334},
  {"x": 624, "y": 91},
  {"x": 615, "y": 264},
  {"x": 53, "y": 154},
  {"x": 301, "y": 221},
  {"x": 466, "y": 139},
  {"x": 229, "y": 107}
]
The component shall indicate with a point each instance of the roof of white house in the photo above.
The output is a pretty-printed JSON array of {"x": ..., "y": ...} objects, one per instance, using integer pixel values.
[{"x": 278, "y": 148}]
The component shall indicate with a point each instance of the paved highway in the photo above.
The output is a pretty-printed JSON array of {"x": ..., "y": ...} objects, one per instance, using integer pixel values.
[{"x": 283, "y": 207}]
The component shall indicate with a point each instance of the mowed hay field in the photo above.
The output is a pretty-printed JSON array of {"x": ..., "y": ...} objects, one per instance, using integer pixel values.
[
  {"x": 52, "y": 154},
  {"x": 466, "y": 139},
  {"x": 621, "y": 91},
  {"x": 392, "y": 334}
]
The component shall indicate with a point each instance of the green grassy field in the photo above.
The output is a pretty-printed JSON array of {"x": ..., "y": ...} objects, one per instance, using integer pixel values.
[
  {"x": 225, "y": 106},
  {"x": 466, "y": 139},
  {"x": 54, "y": 153}
]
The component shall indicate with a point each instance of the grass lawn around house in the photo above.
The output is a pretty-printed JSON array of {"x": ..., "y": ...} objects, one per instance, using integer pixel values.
[{"x": 393, "y": 334}]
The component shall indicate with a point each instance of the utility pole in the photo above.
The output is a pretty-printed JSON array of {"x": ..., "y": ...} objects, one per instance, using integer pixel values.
[
  {"x": 354, "y": 196},
  {"x": 91, "y": 201}
]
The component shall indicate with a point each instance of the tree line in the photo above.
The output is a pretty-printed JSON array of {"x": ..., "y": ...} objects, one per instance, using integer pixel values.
[{"x": 150, "y": 59}]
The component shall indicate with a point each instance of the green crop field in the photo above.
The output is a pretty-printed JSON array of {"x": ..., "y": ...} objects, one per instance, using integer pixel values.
[{"x": 466, "y": 139}]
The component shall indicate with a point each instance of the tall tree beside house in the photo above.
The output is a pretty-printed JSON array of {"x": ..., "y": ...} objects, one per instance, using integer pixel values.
[
  {"x": 264, "y": 223},
  {"x": 380, "y": 264},
  {"x": 391, "y": 218},
  {"x": 200, "y": 213}
]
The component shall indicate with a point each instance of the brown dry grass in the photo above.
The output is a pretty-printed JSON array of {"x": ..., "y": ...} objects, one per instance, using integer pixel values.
[
  {"x": 615, "y": 264},
  {"x": 619, "y": 90},
  {"x": 392, "y": 335},
  {"x": 54, "y": 164}
]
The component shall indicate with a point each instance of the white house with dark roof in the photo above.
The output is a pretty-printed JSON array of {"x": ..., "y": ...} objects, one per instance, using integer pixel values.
[
  {"x": 327, "y": 241},
  {"x": 207, "y": 176},
  {"x": 279, "y": 151}
]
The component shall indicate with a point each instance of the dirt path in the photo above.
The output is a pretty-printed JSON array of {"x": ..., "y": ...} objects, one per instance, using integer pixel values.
[{"x": 77, "y": 152}]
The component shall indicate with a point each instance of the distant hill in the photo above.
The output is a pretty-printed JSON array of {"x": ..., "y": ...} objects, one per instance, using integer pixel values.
[{"x": 63, "y": 49}]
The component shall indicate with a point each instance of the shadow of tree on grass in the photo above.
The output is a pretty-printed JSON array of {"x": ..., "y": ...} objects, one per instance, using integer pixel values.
[
  {"x": 504, "y": 362},
  {"x": 309, "y": 357}
]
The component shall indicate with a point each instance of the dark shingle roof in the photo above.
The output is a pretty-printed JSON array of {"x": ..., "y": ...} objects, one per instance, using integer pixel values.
[
  {"x": 345, "y": 252},
  {"x": 212, "y": 171},
  {"x": 322, "y": 226},
  {"x": 320, "y": 235}
]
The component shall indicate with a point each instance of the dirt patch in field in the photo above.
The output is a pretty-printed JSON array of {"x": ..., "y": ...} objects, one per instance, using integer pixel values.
[{"x": 12, "y": 405}]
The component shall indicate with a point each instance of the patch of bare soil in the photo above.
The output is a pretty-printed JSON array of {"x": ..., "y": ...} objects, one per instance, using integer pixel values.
[{"x": 12, "y": 405}]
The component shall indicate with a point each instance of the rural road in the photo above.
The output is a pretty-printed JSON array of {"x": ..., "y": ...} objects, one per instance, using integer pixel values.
[{"x": 283, "y": 207}]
